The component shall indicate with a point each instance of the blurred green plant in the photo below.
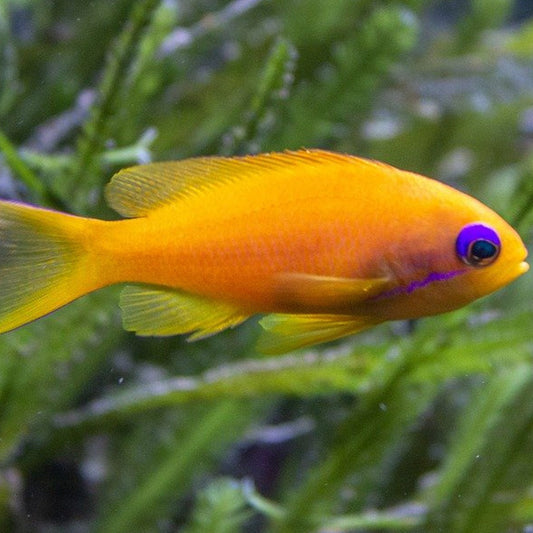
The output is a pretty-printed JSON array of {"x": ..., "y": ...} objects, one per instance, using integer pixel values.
[
  {"x": 421, "y": 428},
  {"x": 220, "y": 508}
]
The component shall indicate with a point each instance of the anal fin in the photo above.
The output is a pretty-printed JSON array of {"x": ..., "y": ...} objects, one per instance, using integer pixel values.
[
  {"x": 158, "y": 311},
  {"x": 286, "y": 332}
]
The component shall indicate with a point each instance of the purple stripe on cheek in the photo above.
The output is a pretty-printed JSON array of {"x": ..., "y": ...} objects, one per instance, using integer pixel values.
[{"x": 419, "y": 284}]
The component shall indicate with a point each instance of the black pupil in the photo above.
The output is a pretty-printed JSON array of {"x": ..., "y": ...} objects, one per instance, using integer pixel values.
[{"x": 483, "y": 250}]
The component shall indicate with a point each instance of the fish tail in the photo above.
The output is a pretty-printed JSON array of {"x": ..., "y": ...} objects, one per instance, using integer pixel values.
[{"x": 44, "y": 263}]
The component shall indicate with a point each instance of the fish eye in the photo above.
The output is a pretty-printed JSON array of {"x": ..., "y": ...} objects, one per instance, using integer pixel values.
[{"x": 477, "y": 245}]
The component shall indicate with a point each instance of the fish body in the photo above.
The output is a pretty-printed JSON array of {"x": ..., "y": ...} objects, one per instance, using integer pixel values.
[{"x": 327, "y": 244}]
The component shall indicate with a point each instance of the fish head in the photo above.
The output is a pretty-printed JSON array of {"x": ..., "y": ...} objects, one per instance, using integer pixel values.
[
  {"x": 454, "y": 254},
  {"x": 493, "y": 254}
]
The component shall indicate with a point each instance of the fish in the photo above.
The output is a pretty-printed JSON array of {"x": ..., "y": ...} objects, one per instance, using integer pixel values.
[{"x": 323, "y": 244}]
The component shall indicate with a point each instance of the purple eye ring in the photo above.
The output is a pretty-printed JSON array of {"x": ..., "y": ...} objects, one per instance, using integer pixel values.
[{"x": 477, "y": 245}]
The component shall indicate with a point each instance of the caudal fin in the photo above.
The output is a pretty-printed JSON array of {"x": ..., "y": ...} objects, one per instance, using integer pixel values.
[{"x": 42, "y": 263}]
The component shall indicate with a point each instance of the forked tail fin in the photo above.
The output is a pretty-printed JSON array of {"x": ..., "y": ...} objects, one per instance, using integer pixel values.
[{"x": 43, "y": 265}]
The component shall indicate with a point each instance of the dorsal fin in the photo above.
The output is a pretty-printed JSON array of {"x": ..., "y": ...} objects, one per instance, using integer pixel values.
[{"x": 135, "y": 191}]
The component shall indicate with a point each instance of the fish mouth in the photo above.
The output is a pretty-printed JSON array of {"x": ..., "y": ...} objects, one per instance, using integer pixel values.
[
  {"x": 522, "y": 266},
  {"x": 515, "y": 268}
]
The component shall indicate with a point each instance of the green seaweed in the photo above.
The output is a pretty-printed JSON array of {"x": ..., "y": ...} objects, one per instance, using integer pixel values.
[
  {"x": 220, "y": 508},
  {"x": 112, "y": 87}
]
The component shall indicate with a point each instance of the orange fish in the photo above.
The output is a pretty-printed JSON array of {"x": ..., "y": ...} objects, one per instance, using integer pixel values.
[{"x": 327, "y": 244}]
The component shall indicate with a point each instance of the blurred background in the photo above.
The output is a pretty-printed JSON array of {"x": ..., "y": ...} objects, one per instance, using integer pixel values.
[{"x": 424, "y": 426}]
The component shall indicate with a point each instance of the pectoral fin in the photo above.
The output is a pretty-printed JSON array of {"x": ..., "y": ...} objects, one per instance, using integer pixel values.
[
  {"x": 149, "y": 310},
  {"x": 284, "y": 332},
  {"x": 327, "y": 294}
]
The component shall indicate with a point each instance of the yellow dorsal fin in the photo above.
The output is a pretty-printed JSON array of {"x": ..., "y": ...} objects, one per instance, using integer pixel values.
[
  {"x": 149, "y": 310},
  {"x": 284, "y": 332},
  {"x": 135, "y": 191}
]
